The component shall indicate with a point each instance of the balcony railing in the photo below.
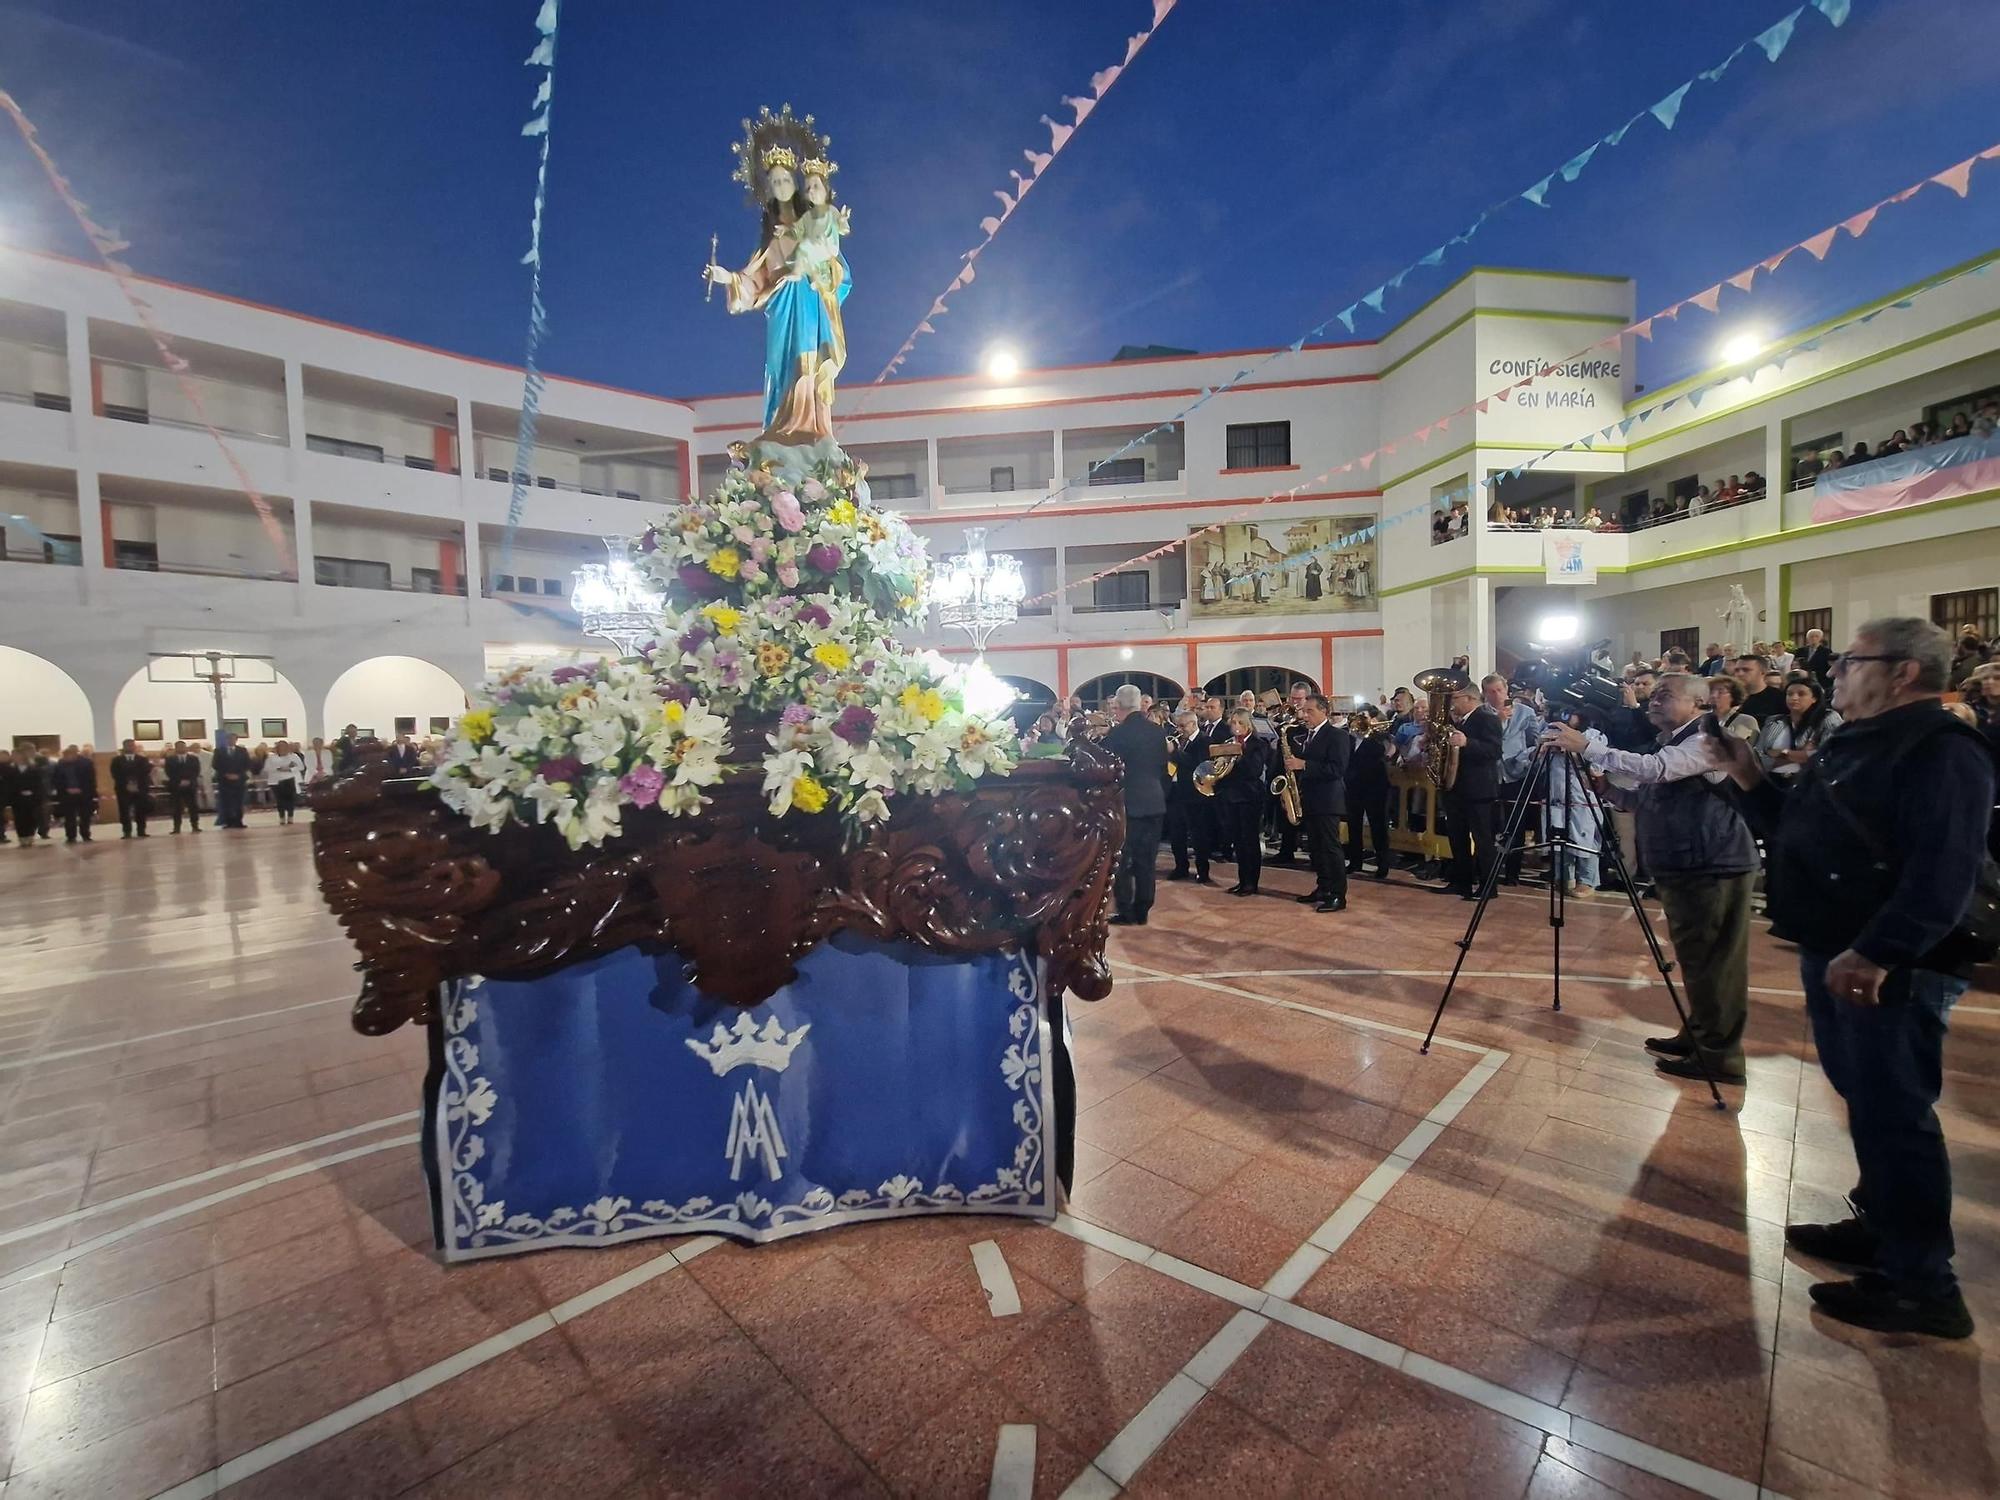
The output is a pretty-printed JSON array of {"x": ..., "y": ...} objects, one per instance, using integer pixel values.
[{"x": 214, "y": 395}]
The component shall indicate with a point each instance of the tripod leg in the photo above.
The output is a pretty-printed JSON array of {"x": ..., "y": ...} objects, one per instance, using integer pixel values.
[{"x": 1660, "y": 959}]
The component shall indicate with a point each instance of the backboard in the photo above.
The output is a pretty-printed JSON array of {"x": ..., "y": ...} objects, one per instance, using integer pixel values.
[{"x": 204, "y": 667}]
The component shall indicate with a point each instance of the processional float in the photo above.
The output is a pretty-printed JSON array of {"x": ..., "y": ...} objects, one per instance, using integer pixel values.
[{"x": 763, "y": 927}]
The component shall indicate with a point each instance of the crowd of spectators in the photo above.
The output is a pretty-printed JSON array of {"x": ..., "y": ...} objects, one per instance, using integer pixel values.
[{"x": 1982, "y": 421}]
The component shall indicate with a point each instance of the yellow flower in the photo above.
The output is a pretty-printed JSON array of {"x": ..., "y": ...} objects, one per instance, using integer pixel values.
[
  {"x": 808, "y": 795},
  {"x": 933, "y": 705},
  {"x": 833, "y": 656},
  {"x": 725, "y": 617},
  {"x": 726, "y": 562},
  {"x": 673, "y": 713},
  {"x": 841, "y": 513},
  {"x": 772, "y": 659},
  {"x": 927, "y": 703},
  {"x": 906, "y": 602},
  {"x": 477, "y": 725}
]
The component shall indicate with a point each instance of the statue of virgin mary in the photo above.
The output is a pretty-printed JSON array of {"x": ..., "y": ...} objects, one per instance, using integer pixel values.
[{"x": 798, "y": 278}]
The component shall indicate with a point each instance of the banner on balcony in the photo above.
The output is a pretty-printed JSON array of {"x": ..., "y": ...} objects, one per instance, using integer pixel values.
[
  {"x": 1308, "y": 566},
  {"x": 1943, "y": 471},
  {"x": 611, "y": 1100},
  {"x": 1565, "y": 558}
]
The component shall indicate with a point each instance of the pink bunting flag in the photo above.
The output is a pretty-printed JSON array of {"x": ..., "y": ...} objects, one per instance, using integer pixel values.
[
  {"x": 1774, "y": 261},
  {"x": 925, "y": 327},
  {"x": 1444, "y": 422},
  {"x": 1643, "y": 329},
  {"x": 1905, "y": 196},
  {"x": 937, "y": 309},
  {"x": 1039, "y": 159},
  {"x": 990, "y": 225},
  {"x": 1707, "y": 300},
  {"x": 1105, "y": 77},
  {"x": 1082, "y": 106},
  {"x": 1958, "y": 178},
  {"x": 1424, "y": 433},
  {"x": 1058, "y": 134},
  {"x": 1160, "y": 9},
  {"x": 1006, "y": 203},
  {"x": 1819, "y": 244},
  {"x": 1742, "y": 279},
  {"x": 1858, "y": 224},
  {"x": 1480, "y": 407}
]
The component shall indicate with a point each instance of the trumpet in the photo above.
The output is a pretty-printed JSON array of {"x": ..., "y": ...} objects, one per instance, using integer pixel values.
[{"x": 1286, "y": 787}]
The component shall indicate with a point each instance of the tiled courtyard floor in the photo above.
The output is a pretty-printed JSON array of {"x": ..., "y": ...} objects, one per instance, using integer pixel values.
[{"x": 1301, "y": 1257}]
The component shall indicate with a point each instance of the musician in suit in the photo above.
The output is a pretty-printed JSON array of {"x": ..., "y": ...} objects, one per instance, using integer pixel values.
[
  {"x": 344, "y": 755},
  {"x": 132, "y": 785},
  {"x": 232, "y": 779},
  {"x": 404, "y": 758},
  {"x": 1243, "y": 793},
  {"x": 75, "y": 783},
  {"x": 1211, "y": 829},
  {"x": 1318, "y": 756},
  {"x": 1469, "y": 807},
  {"x": 183, "y": 781},
  {"x": 1368, "y": 792},
  {"x": 1142, "y": 746},
  {"x": 10, "y": 791},
  {"x": 1184, "y": 812},
  {"x": 31, "y": 797}
]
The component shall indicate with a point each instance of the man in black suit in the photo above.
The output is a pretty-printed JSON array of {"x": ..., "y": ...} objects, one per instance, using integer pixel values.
[
  {"x": 75, "y": 783},
  {"x": 232, "y": 778},
  {"x": 31, "y": 797},
  {"x": 404, "y": 758},
  {"x": 1320, "y": 767},
  {"x": 1185, "y": 809},
  {"x": 1142, "y": 745},
  {"x": 183, "y": 781},
  {"x": 1211, "y": 828},
  {"x": 132, "y": 785},
  {"x": 1242, "y": 795},
  {"x": 1368, "y": 793},
  {"x": 1816, "y": 657},
  {"x": 343, "y": 749},
  {"x": 1469, "y": 806}
]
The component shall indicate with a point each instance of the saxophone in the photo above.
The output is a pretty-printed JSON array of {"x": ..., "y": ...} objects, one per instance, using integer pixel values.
[
  {"x": 1440, "y": 755},
  {"x": 1286, "y": 787}
]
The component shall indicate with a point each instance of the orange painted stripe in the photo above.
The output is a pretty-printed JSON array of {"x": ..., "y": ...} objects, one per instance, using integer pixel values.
[
  {"x": 938, "y": 518},
  {"x": 1065, "y": 647}
]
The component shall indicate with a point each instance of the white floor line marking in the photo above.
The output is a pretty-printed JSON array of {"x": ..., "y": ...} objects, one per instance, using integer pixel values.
[
  {"x": 1013, "y": 1463},
  {"x": 154, "y": 1036},
  {"x": 1323, "y": 1013},
  {"x": 276, "y": 1153},
  {"x": 283, "y": 949},
  {"x": 390, "y": 1396},
  {"x": 1003, "y": 1298},
  {"x": 82, "y": 1248},
  {"x": 1636, "y": 982}
]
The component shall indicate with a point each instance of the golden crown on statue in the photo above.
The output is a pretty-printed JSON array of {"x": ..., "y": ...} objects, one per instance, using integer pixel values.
[
  {"x": 779, "y": 156},
  {"x": 771, "y": 141},
  {"x": 819, "y": 166}
]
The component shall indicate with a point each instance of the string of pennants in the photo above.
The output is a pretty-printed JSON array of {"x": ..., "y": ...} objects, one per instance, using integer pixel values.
[
  {"x": 1771, "y": 41},
  {"x": 1957, "y": 178},
  {"x": 1038, "y": 164},
  {"x": 109, "y": 247},
  {"x": 532, "y": 380}
]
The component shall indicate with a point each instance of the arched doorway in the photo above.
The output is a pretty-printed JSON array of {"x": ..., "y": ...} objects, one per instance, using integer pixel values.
[
  {"x": 1097, "y": 692},
  {"x": 1034, "y": 700},
  {"x": 390, "y": 695},
  {"x": 162, "y": 702},
  {"x": 1258, "y": 680},
  {"x": 41, "y": 705}
]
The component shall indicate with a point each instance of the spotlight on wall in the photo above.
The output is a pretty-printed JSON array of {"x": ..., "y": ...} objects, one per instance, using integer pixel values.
[
  {"x": 1738, "y": 348},
  {"x": 1556, "y": 630},
  {"x": 1124, "y": 653},
  {"x": 1002, "y": 363}
]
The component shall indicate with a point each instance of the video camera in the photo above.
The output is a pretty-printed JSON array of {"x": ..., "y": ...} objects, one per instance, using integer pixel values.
[{"x": 1572, "y": 683}]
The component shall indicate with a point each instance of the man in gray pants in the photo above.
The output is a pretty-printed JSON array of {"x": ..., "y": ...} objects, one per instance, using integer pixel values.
[{"x": 1703, "y": 859}]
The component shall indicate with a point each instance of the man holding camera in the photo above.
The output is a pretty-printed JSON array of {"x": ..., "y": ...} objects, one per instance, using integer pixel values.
[
  {"x": 1877, "y": 853},
  {"x": 1700, "y": 855}
]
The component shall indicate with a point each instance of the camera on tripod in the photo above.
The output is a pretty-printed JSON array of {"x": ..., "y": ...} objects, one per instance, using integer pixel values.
[{"x": 1573, "y": 684}]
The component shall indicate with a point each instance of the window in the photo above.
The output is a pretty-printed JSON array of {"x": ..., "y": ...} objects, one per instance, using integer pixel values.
[
  {"x": 67, "y": 550},
  {"x": 126, "y": 413},
  {"x": 1684, "y": 489},
  {"x": 1802, "y": 620},
  {"x": 274, "y": 729},
  {"x": 350, "y": 573},
  {"x": 1259, "y": 445},
  {"x": 1119, "y": 471},
  {"x": 1979, "y": 608},
  {"x": 552, "y": 587},
  {"x": 1939, "y": 415},
  {"x": 545, "y": 483},
  {"x": 440, "y": 724},
  {"x": 503, "y": 583},
  {"x": 411, "y": 461},
  {"x": 499, "y": 476},
  {"x": 140, "y": 557},
  {"x": 890, "y": 486},
  {"x": 1000, "y": 480},
  {"x": 406, "y": 725},
  {"x": 426, "y": 581},
  {"x": 1688, "y": 641},
  {"x": 634, "y": 494},
  {"x": 50, "y": 401},
  {"x": 1132, "y": 590},
  {"x": 341, "y": 448}
]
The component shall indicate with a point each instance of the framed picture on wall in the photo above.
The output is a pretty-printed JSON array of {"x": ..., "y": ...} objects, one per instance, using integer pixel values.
[
  {"x": 148, "y": 729},
  {"x": 361, "y": 735},
  {"x": 273, "y": 728},
  {"x": 190, "y": 729},
  {"x": 440, "y": 724},
  {"x": 238, "y": 727},
  {"x": 406, "y": 725}
]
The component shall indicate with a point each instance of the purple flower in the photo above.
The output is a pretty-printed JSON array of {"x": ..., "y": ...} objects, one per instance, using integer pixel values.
[
  {"x": 729, "y": 666},
  {"x": 697, "y": 580},
  {"x": 570, "y": 674},
  {"x": 796, "y": 713},
  {"x": 856, "y": 724},
  {"x": 642, "y": 784},
  {"x": 562, "y": 768},
  {"x": 815, "y": 614},
  {"x": 676, "y": 692},
  {"x": 826, "y": 556},
  {"x": 650, "y": 542},
  {"x": 693, "y": 639}
]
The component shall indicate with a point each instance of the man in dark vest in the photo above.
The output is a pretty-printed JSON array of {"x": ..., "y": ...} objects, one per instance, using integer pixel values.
[
  {"x": 1469, "y": 810},
  {"x": 31, "y": 797},
  {"x": 132, "y": 785},
  {"x": 232, "y": 777},
  {"x": 1701, "y": 856},
  {"x": 183, "y": 782},
  {"x": 1142, "y": 746},
  {"x": 1320, "y": 765},
  {"x": 75, "y": 783},
  {"x": 1185, "y": 815}
]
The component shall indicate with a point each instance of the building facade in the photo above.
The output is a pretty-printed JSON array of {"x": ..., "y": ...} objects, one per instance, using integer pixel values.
[{"x": 381, "y": 574}]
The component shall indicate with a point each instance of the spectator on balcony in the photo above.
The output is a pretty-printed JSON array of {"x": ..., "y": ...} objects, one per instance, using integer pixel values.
[
  {"x": 1961, "y": 426},
  {"x": 1702, "y": 499},
  {"x": 1753, "y": 484},
  {"x": 1731, "y": 491},
  {"x": 1860, "y": 455},
  {"x": 1592, "y": 520},
  {"x": 1899, "y": 441},
  {"x": 1806, "y": 468}
]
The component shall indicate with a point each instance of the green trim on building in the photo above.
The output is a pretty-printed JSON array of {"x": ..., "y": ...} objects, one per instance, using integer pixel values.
[
  {"x": 1496, "y": 312},
  {"x": 1409, "y": 318}
]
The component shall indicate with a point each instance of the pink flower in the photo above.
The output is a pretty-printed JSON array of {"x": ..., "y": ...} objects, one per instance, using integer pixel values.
[
  {"x": 796, "y": 713},
  {"x": 814, "y": 490},
  {"x": 788, "y": 575},
  {"x": 785, "y": 506},
  {"x": 642, "y": 784}
]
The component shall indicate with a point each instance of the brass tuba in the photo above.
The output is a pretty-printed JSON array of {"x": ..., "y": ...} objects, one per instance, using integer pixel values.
[
  {"x": 1211, "y": 770},
  {"x": 1440, "y": 755},
  {"x": 1286, "y": 787}
]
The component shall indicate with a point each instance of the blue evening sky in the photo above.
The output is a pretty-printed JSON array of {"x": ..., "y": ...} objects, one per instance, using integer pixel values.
[{"x": 1263, "y": 163}]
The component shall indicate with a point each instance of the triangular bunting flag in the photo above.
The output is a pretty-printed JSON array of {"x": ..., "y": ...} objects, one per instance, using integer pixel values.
[
  {"x": 1374, "y": 299},
  {"x": 1346, "y": 316},
  {"x": 1643, "y": 330},
  {"x": 1625, "y": 426},
  {"x": 1573, "y": 168},
  {"x": 1742, "y": 279},
  {"x": 1958, "y": 178},
  {"x": 1058, "y": 134},
  {"x": 1819, "y": 244},
  {"x": 1858, "y": 224},
  {"x": 1618, "y": 135},
  {"x": 1669, "y": 109},
  {"x": 1834, "y": 10},
  {"x": 1480, "y": 407},
  {"x": 1539, "y": 193},
  {"x": 1707, "y": 300},
  {"x": 1433, "y": 258},
  {"x": 1714, "y": 74},
  {"x": 1774, "y": 38}
]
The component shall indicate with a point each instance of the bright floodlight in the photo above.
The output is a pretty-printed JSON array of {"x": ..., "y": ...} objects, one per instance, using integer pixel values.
[
  {"x": 1124, "y": 653},
  {"x": 1740, "y": 347},
  {"x": 1555, "y": 629},
  {"x": 1002, "y": 363},
  {"x": 986, "y": 695}
]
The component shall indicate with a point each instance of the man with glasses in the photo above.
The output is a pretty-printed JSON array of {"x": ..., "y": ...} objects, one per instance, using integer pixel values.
[
  {"x": 1699, "y": 853},
  {"x": 1876, "y": 855}
]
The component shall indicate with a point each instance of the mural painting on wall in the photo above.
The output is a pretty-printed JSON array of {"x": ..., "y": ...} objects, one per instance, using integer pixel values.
[{"x": 1289, "y": 567}]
